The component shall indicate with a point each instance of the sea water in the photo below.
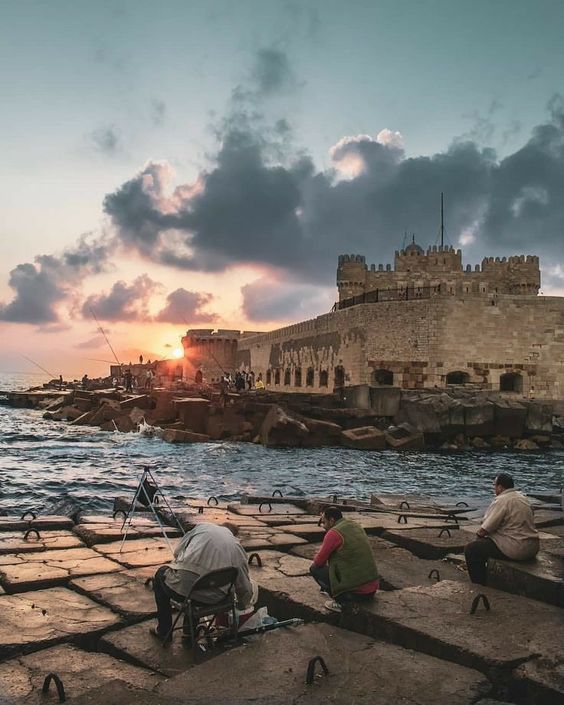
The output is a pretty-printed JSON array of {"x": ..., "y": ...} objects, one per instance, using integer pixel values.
[{"x": 52, "y": 466}]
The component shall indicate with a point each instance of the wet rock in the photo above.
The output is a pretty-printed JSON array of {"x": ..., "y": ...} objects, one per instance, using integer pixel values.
[
  {"x": 23, "y": 677},
  {"x": 365, "y": 438},
  {"x": 361, "y": 671},
  {"x": 33, "y": 620},
  {"x": 427, "y": 415},
  {"x": 479, "y": 418},
  {"x": 525, "y": 444},
  {"x": 85, "y": 419},
  {"x": 509, "y": 418},
  {"x": 107, "y": 411},
  {"x": 479, "y": 443},
  {"x": 541, "y": 440},
  {"x": 66, "y": 413},
  {"x": 282, "y": 430},
  {"x": 501, "y": 442},
  {"x": 139, "y": 401},
  {"x": 321, "y": 433},
  {"x": 539, "y": 417},
  {"x": 404, "y": 438},
  {"x": 176, "y": 436}
]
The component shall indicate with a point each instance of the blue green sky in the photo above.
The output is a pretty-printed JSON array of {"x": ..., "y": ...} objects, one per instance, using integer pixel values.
[{"x": 202, "y": 164}]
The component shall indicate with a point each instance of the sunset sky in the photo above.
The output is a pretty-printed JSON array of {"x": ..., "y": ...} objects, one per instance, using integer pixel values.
[{"x": 190, "y": 164}]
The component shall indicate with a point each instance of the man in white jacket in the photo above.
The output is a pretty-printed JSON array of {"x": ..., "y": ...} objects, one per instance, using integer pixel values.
[
  {"x": 205, "y": 548},
  {"x": 508, "y": 531}
]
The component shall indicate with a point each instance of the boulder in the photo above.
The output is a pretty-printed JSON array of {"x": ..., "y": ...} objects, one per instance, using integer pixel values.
[
  {"x": 525, "y": 444},
  {"x": 479, "y": 443},
  {"x": 428, "y": 415},
  {"x": 141, "y": 401},
  {"x": 172, "y": 435},
  {"x": 322, "y": 433},
  {"x": 501, "y": 442},
  {"x": 67, "y": 413},
  {"x": 541, "y": 440},
  {"x": 84, "y": 419},
  {"x": 539, "y": 417},
  {"x": 509, "y": 418},
  {"x": 193, "y": 412},
  {"x": 385, "y": 401},
  {"x": 404, "y": 437},
  {"x": 107, "y": 411},
  {"x": 357, "y": 396},
  {"x": 137, "y": 415},
  {"x": 365, "y": 438},
  {"x": 478, "y": 418},
  {"x": 282, "y": 429}
]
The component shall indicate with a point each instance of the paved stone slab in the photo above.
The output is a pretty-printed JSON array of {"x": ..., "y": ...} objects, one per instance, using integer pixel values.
[
  {"x": 310, "y": 531},
  {"x": 287, "y": 588},
  {"x": 377, "y": 523},
  {"x": 51, "y": 522},
  {"x": 138, "y": 552},
  {"x": 548, "y": 517},
  {"x": 267, "y": 537},
  {"x": 22, "y": 678},
  {"x": 136, "y": 645},
  {"x": 398, "y": 567},
  {"x": 539, "y": 681},
  {"x": 96, "y": 533},
  {"x": 257, "y": 510},
  {"x": 214, "y": 515},
  {"x": 426, "y": 543},
  {"x": 540, "y": 579},
  {"x": 33, "y": 620},
  {"x": 437, "y": 620},
  {"x": 121, "y": 592},
  {"x": 27, "y": 571},
  {"x": 361, "y": 671},
  {"x": 14, "y": 541}
]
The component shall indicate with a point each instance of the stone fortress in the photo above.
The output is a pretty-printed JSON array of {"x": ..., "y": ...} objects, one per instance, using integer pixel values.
[{"x": 427, "y": 323}]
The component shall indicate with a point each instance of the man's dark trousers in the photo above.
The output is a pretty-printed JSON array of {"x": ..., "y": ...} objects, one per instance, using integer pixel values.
[{"x": 477, "y": 553}]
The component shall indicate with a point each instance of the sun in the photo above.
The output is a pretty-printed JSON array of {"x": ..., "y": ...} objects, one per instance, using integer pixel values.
[{"x": 177, "y": 353}]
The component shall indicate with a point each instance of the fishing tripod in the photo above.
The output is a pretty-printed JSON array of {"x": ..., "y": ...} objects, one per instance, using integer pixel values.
[{"x": 149, "y": 495}]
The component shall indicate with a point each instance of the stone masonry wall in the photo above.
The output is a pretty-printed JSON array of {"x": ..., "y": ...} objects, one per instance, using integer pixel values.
[{"x": 419, "y": 342}]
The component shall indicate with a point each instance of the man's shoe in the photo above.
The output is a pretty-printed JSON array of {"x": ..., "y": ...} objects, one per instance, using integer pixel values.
[{"x": 333, "y": 606}]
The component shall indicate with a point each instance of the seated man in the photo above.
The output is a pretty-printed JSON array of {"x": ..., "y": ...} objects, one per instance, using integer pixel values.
[
  {"x": 344, "y": 567},
  {"x": 205, "y": 548},
  {"x": 508, "y": 531}
]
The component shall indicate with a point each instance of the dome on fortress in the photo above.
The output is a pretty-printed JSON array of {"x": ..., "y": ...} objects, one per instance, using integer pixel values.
[{"x": 414, "y": 247}]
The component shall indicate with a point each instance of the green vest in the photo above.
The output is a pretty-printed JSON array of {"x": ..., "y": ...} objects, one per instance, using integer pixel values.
[{"x": 353, "y": 564}]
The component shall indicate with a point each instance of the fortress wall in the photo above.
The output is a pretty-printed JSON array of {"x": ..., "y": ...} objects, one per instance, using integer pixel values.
[
  {"x": 420, "y": 342},
  {"x": 522, "y": 334}
]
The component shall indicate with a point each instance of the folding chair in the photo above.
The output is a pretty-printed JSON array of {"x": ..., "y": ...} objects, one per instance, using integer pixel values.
[{"x": 193, "y": 610}]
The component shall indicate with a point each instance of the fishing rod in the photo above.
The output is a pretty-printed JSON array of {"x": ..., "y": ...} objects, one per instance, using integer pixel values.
[
  {"x": 104, "y": 334},
  {"x": 95, "y": 359},
  {"x": 38, "y": 365}
]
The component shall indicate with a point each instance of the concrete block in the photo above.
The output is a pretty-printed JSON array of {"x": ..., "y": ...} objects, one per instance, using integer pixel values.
[
  {"x": 49, "y": 522},
  {"x": 138, "y": 553},
  {"x": 365, "y": 438},
  {"x": 122, "y": 593},
  {"x": 385, "y": 401},
  {"x": 509, "y": 418},
  {"x": 540, "y": 579},
  {"x": 14, "y": 542},
  {"x": 426, "y": 543},
  {"x": 357, "y": 396}
]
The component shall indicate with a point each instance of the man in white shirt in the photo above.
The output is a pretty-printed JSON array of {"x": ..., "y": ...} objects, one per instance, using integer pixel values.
[
  {"x": 508, "y": 531},
  {"x": 205, "y": 548}
]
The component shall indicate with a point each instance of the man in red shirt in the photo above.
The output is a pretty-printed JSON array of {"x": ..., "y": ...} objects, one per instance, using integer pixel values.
[{"x": 344, "y": 567}]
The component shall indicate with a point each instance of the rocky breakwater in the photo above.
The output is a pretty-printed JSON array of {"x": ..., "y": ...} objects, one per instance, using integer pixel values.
[{"x": 455, "y": 419}]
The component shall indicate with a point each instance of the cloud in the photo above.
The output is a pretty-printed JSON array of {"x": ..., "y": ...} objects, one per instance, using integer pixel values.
[
  {"x": 269, "y": 299},
  {"x": 92, "y": 343},
  {"x": 40, "y": 287},
  {"x": 185, "y": 307},
  {"x": 123, "y": 302},
  {"x": 106, "y": 140},
  {"x": 271, "y": 72}
]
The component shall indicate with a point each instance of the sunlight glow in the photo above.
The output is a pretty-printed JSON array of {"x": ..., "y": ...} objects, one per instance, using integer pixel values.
[{"x": 177, "y": 353}]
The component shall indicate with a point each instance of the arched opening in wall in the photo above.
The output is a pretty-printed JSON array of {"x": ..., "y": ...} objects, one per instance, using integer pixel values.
[
  {"x": 269, "y": 376},
  {"x": 309, "y": 377},
  {"x": 287, "y": 377},
  {"x": 277, "y": 376},
  {"x": 381, "y": 378},
  {"x": 457, "y": 377},
  {"x": 511, "y": 382},
  {"x": 324, "y": 378},
  {"x": 298, "y": 377},
  {"x": 339, "y": 376}
]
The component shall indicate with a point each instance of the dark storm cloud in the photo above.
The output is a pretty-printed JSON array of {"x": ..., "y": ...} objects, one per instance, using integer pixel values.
[
  {"x": 106, "y": 140},
  {"x": 185, "y": 307},
  {"x": 263, "y": 203},
  {"x": 40, "y": 287},
  {"x": 124, "y": 302},
  {"x": 271, "y": 72}
]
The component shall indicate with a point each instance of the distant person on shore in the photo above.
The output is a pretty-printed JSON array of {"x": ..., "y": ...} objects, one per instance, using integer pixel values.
[
  {"x": 508, "y": 531},
  {"x": 207, "y": 547},
  {"x": 60, "y": 382},
  {"x": 149, "y": 379},
  {"x": 85, "y": 382},
  {"x": 128, "y": 379},
  {"x": 259, "y": 384},
  {"x": 344, "y": 567},
  {"x": 140, "y": 359}
]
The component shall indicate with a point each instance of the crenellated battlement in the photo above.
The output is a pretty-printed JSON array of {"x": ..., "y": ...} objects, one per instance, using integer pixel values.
[{"x": 440, "y": 270}]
